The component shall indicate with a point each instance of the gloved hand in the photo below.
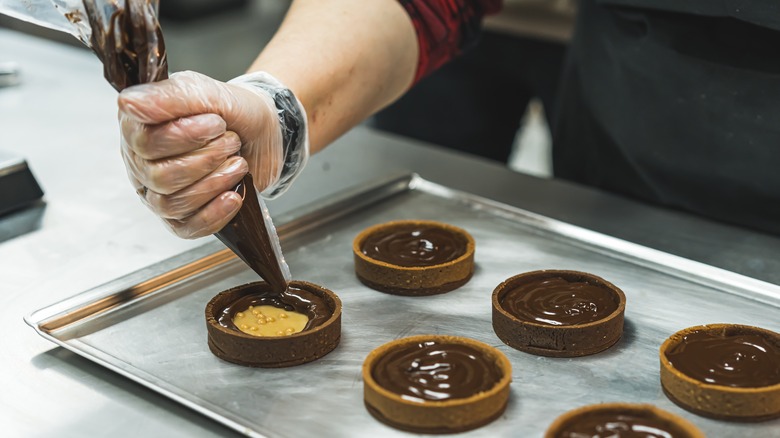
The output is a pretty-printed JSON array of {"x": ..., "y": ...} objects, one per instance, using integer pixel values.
[{"x": 179, "y": 142}]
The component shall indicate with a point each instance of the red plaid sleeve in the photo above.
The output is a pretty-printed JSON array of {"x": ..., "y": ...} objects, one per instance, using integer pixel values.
[{"x": 445, "y": 28}]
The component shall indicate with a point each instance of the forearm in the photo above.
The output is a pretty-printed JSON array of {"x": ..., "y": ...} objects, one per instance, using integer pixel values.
[{"x": 344, "y": 59}]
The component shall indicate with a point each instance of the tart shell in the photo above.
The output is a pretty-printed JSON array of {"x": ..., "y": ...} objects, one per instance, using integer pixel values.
[
  {"x": 563, "y": 340},
  {"x": 439, "y": 417},
  {"x": 719, "y": 401},
  {"x": 685, "y": 427},
  {"x": 414, "y": 280},
  {"x": 277, "y": 351}
]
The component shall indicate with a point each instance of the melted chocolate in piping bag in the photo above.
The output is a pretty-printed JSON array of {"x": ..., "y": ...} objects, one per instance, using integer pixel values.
[
  {"x": 252, "y": 236},
  {"x": 126, "y": 36}
]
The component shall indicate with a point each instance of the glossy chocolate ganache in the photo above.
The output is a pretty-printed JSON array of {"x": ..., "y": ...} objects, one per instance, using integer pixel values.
[
  {"x": 737, "y": 360},
  {"x": 558, "y": 301},
  {"x": 292, "y": 299},
  {"x": 621, "y": 425},
  {"x": 414, "y": 246},
  {"x": 436, "y": 371}
]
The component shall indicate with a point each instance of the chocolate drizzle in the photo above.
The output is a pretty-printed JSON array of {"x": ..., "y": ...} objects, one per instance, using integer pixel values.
[
  {"x": 414, "y": 246},
  {"x": 742, "y": 360},
  {"x": 558, "y": 301},
  {"x": 621, "y": 425},
  {"x": 292, "y": 299},
  {"x": 436, "y": 371},
  {"x": 248, "y": 236}
]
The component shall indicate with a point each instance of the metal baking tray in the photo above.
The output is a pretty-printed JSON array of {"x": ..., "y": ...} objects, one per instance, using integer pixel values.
[{"x": 149, "y": 326}]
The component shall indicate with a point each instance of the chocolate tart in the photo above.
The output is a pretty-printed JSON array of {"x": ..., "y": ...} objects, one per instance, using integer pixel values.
[
  {"x": 414, "y": 257},
  {"x": 599, "y": 420},
  {"x": 403, "y": 387},
  {"x": 558, "y": 313},
  {"x": 723, "y": 371},
  {"x": 319, "y": 337}
]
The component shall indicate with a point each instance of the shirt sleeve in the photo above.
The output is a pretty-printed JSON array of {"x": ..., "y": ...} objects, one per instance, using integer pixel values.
[{"x": 445, "y": 28}]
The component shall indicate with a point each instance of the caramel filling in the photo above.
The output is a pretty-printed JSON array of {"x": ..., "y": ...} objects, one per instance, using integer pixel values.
[
  {"x": 271, "y": 306},
  {"x": 415, "y": 246},
  {"x": 269, "y": 321},
  {"x": 739, "y": 360},
  {"x": 558, "y": 301},
  {"x": 620, "y": 425},
  {"x": 436, "y": 371}
]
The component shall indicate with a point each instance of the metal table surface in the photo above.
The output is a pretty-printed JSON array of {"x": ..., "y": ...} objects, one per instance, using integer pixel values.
[{"x": 92, "y": 229}]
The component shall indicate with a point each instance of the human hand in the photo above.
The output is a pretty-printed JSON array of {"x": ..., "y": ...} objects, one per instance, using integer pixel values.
[{"x": 179, "y": 142}]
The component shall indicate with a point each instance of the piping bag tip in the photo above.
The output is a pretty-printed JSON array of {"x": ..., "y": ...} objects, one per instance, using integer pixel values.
[{"x": 252, "y": 236}]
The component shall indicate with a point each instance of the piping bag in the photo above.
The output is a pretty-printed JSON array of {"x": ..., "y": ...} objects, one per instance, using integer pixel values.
[
  {"x": 252, "y": 236},
  {"x": 126, "y": 36}
]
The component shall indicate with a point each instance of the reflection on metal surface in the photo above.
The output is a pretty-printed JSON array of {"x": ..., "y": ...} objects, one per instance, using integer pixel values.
[
  {"x": 101, "y": 305},
  {"x": 11, "y": 166},
  {"x": 21, "y": 222},
  {"x": 127, "y": 324}
]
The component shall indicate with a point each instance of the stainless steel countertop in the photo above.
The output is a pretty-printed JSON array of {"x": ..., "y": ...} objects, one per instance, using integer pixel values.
[{"x": 92, "y": 229}]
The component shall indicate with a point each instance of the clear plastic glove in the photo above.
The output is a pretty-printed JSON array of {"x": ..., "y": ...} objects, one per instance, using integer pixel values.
[{"x": 180, "y": 139}]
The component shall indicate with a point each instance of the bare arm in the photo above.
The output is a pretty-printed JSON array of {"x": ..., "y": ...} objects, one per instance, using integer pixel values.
[{"x": 344, "y": 59}]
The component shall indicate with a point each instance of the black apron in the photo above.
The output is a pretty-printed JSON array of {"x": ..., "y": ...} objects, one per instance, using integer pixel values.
[{"x": 676, "y": 102}]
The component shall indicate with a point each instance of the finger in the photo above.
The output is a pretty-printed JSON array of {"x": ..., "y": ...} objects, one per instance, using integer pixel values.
[
  {"x": 186, "y": 134},
  {"x": 184, "y": 94},
  {"x": 187, "y": 201},
  {"x": 169, "y": 175},
  {"x": 210, "y": 219},
  {"x": 140, "y": 188}
]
